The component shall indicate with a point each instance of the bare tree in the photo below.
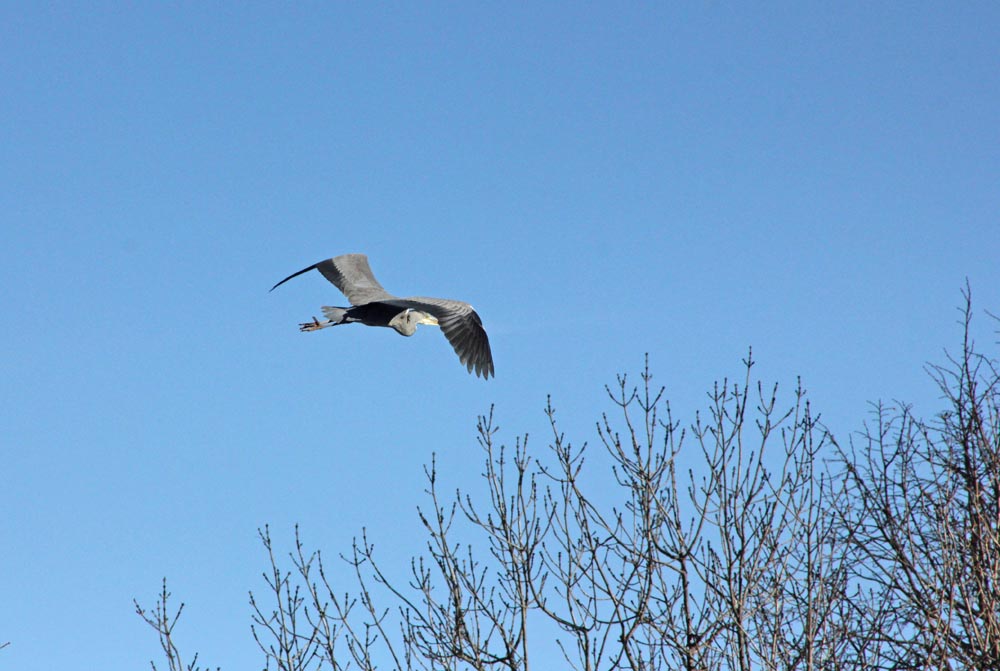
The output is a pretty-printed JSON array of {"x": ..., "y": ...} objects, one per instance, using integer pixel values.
[
  {"x": 735, "y": 567},
  {"x": 925, "y": 526},
  {"x": 163, "y": 619},
  {"x": 745, "y": 539}
]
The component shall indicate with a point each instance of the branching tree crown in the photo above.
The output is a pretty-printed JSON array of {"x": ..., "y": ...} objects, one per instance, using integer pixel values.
[{"x": 782, "y": 550}]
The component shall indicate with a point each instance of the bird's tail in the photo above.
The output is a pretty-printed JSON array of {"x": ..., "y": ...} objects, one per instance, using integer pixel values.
[{"x": 335, "y": 315}]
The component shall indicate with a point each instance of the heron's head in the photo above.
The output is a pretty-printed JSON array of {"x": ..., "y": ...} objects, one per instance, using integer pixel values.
[
  {"x": 426, "y": 318},
  {"x": 406, "y": 322},
  {"x": 415, "y": 317}
]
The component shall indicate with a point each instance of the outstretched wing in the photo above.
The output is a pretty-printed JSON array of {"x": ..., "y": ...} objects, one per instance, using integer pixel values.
[
  {"x": 461, "y": 326},
  {"x": 351, "y": 274}
]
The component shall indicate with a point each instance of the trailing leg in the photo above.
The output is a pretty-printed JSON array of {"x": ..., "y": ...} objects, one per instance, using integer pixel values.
[{"x": 334, "y": 316}]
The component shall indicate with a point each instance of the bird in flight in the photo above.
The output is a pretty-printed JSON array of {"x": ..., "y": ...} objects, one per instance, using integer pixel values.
[{"x": 372, "y": 305}]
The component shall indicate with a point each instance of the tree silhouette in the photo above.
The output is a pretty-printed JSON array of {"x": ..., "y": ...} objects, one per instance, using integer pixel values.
[{"x": 781, "y": 550}]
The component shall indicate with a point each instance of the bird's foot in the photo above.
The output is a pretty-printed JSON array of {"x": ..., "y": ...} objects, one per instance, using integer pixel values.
[{"x": 314, "y": 325}]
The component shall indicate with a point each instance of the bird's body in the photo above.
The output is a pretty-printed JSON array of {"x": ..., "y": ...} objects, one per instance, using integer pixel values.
[{"x": 372, "y": 305}]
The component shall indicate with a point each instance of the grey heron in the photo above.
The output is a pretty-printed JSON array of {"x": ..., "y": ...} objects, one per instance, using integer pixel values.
[{"x": 372, "y": 305}]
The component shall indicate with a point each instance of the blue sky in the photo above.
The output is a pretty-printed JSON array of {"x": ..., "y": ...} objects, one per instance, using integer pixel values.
[{"x": 600, "y": 181}]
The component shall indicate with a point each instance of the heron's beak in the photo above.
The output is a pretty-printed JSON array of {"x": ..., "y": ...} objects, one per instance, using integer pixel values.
[{"x": 430, "y": 320}]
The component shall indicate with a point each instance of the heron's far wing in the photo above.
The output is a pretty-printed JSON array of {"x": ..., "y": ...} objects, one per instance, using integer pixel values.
[
  {"x": 351, "y": 274},
  {"x": 462, "y": 327}
]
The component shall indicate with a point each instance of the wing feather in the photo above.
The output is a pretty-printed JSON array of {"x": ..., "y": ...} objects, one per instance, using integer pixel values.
[
  {"x": 462, "y": 327},
  {"x": 352, "y": 275}
]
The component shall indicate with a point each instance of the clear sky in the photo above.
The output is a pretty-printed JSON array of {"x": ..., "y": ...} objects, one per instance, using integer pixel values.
[{"x": 813, "y": 180}]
